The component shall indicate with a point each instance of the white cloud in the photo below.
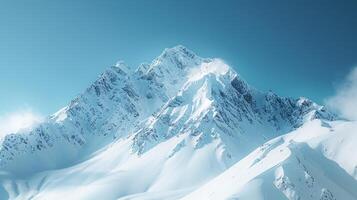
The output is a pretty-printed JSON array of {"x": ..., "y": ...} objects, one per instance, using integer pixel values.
[
  {"x": 345, "y": 100},
  {"x": 18, "y": 120}
]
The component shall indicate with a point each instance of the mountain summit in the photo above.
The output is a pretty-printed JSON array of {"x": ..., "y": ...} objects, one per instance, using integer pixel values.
[{"x": 166, "y": 129}]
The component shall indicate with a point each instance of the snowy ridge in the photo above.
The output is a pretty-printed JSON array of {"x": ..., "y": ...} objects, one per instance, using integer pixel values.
[
  {"x": 177, "y": 122},
  {"x": 110, "y": 107},
  {"x": 305, "y": 164}
]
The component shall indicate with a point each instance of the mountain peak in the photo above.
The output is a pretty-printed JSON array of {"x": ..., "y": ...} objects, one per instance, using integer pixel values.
[
  {"x": 215, "y": 66},
  {"x": 121, "y": 65},
  {"x": 179, "y": 53},
  {"x": 178, "y": 49}
]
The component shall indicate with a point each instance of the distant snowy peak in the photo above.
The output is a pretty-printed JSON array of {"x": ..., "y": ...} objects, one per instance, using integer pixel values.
[
  {"x": 171, "y": 60},
  {"x": 179, "y": 93},
  {"x": 210, "y": 67},
  {"x": 121, "y": 65},
  {"x": 214, "y": 101},
  {"x": 178, "y": 53}
]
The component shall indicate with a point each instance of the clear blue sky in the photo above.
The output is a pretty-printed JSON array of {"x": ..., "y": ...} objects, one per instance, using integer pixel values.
[{"x": 50, "y": 51}]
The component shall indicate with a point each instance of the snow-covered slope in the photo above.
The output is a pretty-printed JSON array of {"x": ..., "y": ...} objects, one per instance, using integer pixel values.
[
  {"x": 314, "y": 162},
  {"x": 164, "y": 131}
]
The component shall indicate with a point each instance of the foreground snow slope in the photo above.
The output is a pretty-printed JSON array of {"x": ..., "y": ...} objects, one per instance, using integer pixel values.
[
  {"x": 314, "y": 162},
  {"x": 167, "y": 130}
]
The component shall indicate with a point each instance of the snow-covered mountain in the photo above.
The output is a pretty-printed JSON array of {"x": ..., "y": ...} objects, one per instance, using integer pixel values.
[{"x": 181, "y": 127}]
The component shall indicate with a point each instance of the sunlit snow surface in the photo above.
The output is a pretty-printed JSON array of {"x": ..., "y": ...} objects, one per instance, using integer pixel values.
[
  {"x": 313, "y": 162},
  {"x": 181, "y": 127}
]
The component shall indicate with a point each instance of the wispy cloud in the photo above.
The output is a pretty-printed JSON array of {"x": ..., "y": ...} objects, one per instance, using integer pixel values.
[
  {"x": 345, "y": 100},
  {"x": 18, "y": 120}
]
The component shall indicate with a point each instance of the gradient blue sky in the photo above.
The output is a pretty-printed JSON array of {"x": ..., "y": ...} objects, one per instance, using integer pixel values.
[{"x": 50, "y": 51}]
